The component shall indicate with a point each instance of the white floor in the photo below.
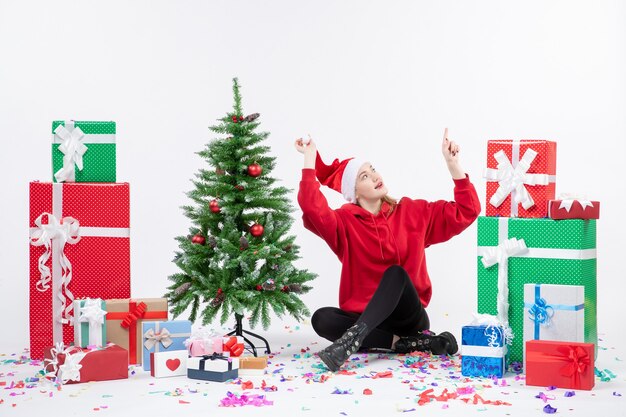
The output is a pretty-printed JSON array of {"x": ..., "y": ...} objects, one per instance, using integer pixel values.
[{"x": 302, "y": 387}]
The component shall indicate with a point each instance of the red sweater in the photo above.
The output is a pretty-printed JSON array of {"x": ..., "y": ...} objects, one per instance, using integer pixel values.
[{"x": 368, "y": 244}]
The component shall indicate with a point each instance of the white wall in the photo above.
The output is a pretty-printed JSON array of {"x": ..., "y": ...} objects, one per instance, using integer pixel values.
[{"x": 379, "y": 79}]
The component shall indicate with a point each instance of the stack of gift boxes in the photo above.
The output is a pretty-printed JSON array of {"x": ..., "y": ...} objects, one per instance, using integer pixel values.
[
  {"x": 536, "y": 273},
  {"x": 82, "y": 319}
]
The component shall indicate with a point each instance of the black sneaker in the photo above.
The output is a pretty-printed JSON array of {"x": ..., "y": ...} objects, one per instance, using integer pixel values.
[
  {"x": 442, "y": 344},
  {"x": 336, "y": 354}
]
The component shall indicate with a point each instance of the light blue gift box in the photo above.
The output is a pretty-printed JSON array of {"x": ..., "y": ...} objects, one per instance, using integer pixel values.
[
  {"x": 483, "y": 351},
  {"x": 163, "y": 336}
]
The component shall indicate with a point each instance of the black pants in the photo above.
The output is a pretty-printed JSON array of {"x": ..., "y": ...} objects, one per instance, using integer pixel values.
[{"x": 395, "y": 309}]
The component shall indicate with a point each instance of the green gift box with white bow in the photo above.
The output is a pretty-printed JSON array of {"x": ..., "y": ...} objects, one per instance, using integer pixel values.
[
  {"x": 83, "y": 151},
  {"x": 517, "y": 251},
  {"x": 90, "y": 322}
]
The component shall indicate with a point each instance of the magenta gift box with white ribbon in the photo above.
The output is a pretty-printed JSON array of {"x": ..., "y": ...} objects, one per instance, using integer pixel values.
[{"x": 79, "y": 248}]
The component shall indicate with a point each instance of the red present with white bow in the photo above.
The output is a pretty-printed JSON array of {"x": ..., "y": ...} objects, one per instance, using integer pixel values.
[
  {"x": 570, "y": 206},
  {"x": 168, "y": 363},
  {"x": 79, "y": 247},
  {"x": 567, "y": 365},
  {"x": 71, "y": 365},
  {"x": 521, "y": 177}
]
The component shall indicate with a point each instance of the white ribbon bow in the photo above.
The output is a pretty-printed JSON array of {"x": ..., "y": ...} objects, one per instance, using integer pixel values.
[
  {"x": 73, "y": 149},
  {"x": 500, "y": 255},
  {"x": 64, "y": 231},
  {"x": 93, "y": 314},
  {"x": 494, "y": 327},
  {"x": 512, "y": 179},
  {"x": 153, "y": 338},
  {"x": 70, "y": 370},
  {"x": 568, "y": 199}
]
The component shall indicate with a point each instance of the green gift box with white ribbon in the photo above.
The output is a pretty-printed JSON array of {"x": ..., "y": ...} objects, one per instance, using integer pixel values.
[
  {"x": 83, "y": 151},
  {"x": 513, "y": 252},
  {"x": 90, "y": 322}
]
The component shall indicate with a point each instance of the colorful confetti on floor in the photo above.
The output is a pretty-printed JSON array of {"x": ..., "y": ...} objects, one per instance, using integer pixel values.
[{"x": 296, "y": 382}]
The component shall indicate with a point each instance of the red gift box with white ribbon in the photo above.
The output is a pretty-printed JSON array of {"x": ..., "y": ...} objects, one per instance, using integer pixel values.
[
  {"x": 521, "y": 177},
  {"x": 79, "y": 248},
  {"x": 570, "y": 206},
  {"x": 561, "y": 364},
  {"x": 72, "y": 365}
]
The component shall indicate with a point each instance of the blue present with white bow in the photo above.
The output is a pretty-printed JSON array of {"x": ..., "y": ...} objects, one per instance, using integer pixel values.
[
  {"x": 163, "y": 336},
  {"x": 483, "y": 350},
  {"x": 554, "y": 312}
]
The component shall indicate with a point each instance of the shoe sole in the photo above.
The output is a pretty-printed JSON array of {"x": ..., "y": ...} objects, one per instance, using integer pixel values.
[{"x": 328, "y": 361}]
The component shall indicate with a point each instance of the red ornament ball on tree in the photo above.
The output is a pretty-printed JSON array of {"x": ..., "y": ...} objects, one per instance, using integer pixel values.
[
  {"x": 256, "y": 230},
  {"x": 214, "y": 206},
  {"x": 259, "y": 288},
  {"x": 198, "y": 239},
  {"x": 254, "y": 170},
  {"x": 235, "y": 119}
]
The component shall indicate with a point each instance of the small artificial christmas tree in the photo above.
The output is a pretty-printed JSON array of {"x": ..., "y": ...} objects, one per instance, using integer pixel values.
[{"x": 238, "y": 255}]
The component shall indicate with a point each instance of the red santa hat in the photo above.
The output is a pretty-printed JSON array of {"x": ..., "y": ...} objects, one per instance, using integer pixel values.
[{"x": 340, "y": 175}]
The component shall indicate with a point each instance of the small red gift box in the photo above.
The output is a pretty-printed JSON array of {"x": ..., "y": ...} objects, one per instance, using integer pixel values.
[
  {"x": 573, "y": 208},
  {"x": 74, "y": 365},
  {"x": 521, "y": 176},
  {"x": 79, "y": 248},
  {"x": 561, "y": 364}
]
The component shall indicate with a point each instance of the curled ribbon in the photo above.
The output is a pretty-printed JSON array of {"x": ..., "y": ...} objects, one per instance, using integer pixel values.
[
  {"x": 137, "y": 313},
  {"x": 500, "y": 255},
  {"x": 64, "y": 231},
  {"x": 567, "y": 200},
  {"x": 514, "y": 179},
  {"x": 152, "y": 338},
  {"x": 70, "y": 369},
  {"x": 541, "y": 312},
  {"x": 494, "y": 329},
  {"x": 73, "y": 149}
]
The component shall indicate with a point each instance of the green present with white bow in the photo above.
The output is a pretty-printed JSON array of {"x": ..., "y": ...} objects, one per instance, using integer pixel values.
[
  {"x": 83, "y": 151},
  {"x": 90, "y": 322},
  {"x": 513, "y": 252}
]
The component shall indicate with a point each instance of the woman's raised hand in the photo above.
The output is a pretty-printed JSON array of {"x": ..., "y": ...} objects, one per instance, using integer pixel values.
[
  {"x": 305, "y": 146},
  {"x": 450, "y": 149}
]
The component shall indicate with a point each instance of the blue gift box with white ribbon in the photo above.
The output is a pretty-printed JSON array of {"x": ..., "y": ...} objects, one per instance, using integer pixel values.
[
  {"x": 554, "y": 312},
  {"x": 483, "y": 351},
  {"x": 163, "y": 336}
]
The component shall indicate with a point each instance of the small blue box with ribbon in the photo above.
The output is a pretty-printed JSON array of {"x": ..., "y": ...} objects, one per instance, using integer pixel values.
[
  {"x": 483, "y": 351},
  {"x": 215, "y": 367},
  {"x": 554, "y": 312},
  {"x": 163, "y": 336}
]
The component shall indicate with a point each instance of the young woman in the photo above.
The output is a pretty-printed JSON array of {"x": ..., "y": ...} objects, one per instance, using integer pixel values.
[{"x": 380, "y": 242}]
